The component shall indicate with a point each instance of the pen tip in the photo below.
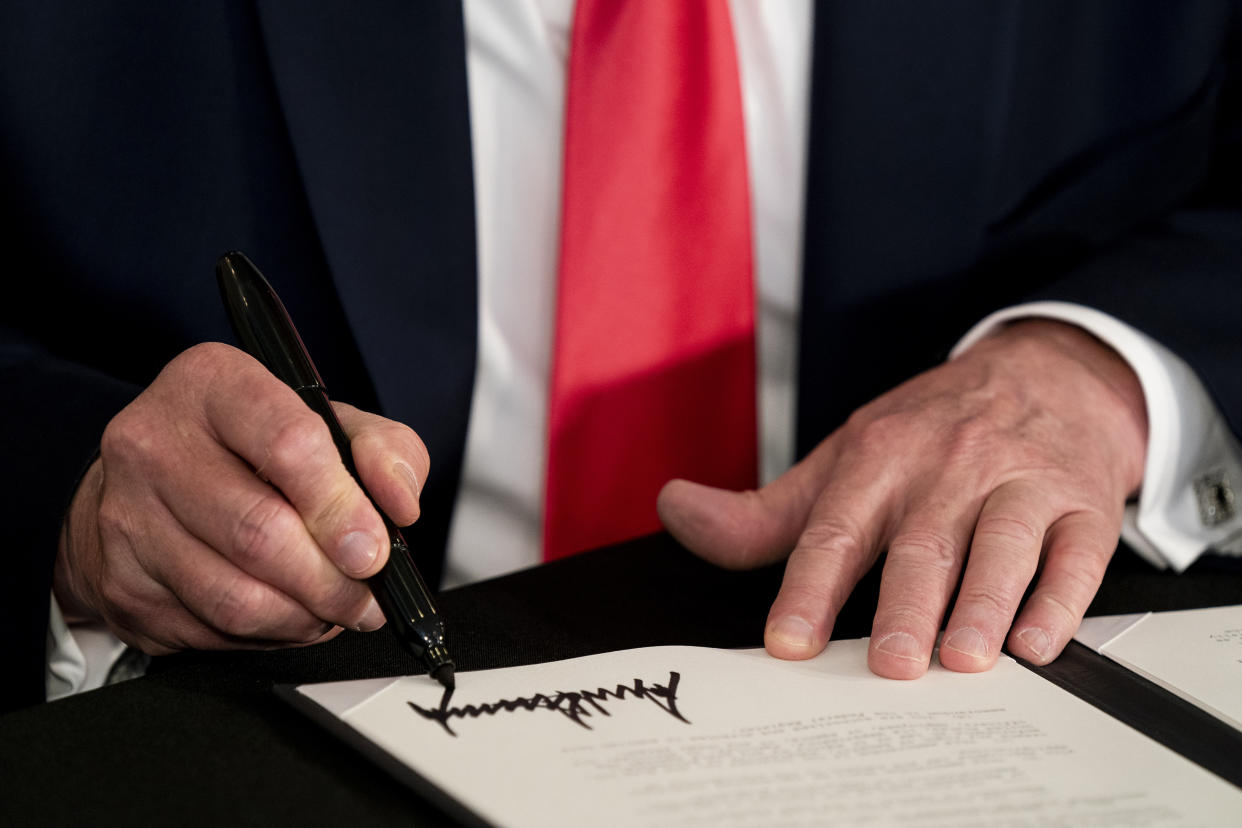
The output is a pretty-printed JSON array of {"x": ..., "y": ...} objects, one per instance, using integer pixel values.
[{"x": 444, "y": 675}]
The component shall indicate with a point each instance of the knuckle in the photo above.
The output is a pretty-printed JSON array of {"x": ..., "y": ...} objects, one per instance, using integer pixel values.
[
  {"x": 294, "y": 441},
  {"x": 112, "y": 520},
  {"x": 195, "y": 635},
  {"x": 397, "y": 437},
  {"x": 342, "y": 602},
  {"x": 372, "y": 440},
  {"x": 127, "y": 604},
  {"x": 908, "y": 615},
  {"x": 1050, "y": 600},
  {"x": 994, "y": 601},
  {"x": 926, "y": 548},
  {"x": 876, "y": 435},
  {"x": 1007, "y": 534},
  {"x": 204, "y": 358},
  {"x": 1080, "y": 579},
  {"x": 119, "y": 601},
  {"x": 240, "y": 609},
  {"x": 337, "y": 508},
  {"x": 837, "y": 541},
  {"x": 809, "y": 594},
  {"x": 832, "y": 537},
  {"x": 263, "y": 532},
  {"x": 130, "y": 435}
]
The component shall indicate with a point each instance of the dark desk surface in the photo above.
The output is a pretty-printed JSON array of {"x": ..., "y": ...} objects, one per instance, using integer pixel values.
[{"x": 203, "y": 740}]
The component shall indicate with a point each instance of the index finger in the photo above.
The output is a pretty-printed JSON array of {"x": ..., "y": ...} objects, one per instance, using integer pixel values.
[
  {"x": 268, "y": 425},
  {"x": 835, "y": 549}
]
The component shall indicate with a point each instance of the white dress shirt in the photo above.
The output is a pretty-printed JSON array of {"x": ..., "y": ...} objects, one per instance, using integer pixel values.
[{"x": 517, "y": 53}]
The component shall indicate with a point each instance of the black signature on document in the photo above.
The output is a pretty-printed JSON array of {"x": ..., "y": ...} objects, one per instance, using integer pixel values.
[{"x": 575, "y": 705}]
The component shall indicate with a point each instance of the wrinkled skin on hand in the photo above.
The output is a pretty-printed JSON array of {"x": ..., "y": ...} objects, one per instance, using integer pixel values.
[
  {"x": 1009, "y": 463},
  {"x": 219, "y": 513}
]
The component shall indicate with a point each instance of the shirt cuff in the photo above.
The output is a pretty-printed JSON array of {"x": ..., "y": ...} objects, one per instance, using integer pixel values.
[
  {"x": 79, "y": 658},
  {"x": 1186, "y": 504}
]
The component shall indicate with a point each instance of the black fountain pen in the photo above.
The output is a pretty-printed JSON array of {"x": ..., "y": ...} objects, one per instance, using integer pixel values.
[{"x": 266, "y": 332}]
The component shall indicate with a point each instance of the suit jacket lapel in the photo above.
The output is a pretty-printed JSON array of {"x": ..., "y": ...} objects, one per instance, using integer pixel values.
[{"x": 374, "y": 95}]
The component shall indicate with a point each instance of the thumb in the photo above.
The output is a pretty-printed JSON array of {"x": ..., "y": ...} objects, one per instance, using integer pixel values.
[
  {"x": 742, "y": 530},
  {"x": 391, "y": 460}
]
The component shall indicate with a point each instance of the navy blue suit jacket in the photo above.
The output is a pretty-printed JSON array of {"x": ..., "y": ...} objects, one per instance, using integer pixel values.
[{"x": 963, "y": 156}]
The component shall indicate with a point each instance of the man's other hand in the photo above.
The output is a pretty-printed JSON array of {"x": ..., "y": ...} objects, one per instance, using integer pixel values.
[{"x": 1013, "y": 459}]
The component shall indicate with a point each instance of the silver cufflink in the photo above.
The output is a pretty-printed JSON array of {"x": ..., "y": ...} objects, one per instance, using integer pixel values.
[{"x": 1215, "y": 496}]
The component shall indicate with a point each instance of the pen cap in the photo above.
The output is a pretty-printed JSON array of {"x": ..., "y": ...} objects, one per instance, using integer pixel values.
[{"x": 261, "y": 323}]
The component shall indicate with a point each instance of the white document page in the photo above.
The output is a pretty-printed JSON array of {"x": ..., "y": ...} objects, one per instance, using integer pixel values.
[
  {"x": 1195, "y": 654},
  {"x": 694, "y": 736}
]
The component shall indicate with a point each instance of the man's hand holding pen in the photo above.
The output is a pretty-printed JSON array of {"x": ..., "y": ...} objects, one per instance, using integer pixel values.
[{"x": 219, "y": 513}]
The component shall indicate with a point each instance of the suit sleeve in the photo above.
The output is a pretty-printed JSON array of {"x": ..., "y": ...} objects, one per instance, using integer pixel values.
[
  {"x": 52, "y": 418},
  {"x": 1178, "y": 280},
  {"x": 1180, "y": 283}
]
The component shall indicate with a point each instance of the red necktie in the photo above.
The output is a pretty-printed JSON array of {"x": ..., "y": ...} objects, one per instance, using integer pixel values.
[{"x": 654, "y": 363}]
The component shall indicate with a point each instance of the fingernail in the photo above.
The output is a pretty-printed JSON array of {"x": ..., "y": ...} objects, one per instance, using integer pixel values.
[
  {"x": 372, "y": 619},
  {"x": 901, "y": 645},
  {"x": 967, "y": 641},
  {"x": 357, "y": 551},
  {"x": 1036, "y": 639},
  {"x": 794, "y": 631},
  {"x": 407, "y": 475}
]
